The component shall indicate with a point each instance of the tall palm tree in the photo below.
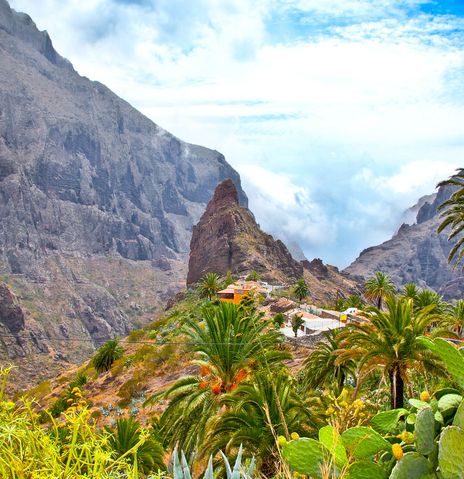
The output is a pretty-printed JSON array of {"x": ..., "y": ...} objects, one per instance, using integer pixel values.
[
  {"x": 209, "y": 285},
  {"x": 301, "y": 289},
  {"x": 379, "y": 287},
  {"x": 452, "y": 212},
  {"x": 256, "y": 414},
  {"x": 454, "y": 317},
  {"x": 321, "y": 367},
  {"x": 230, "y": 345},
  {"x": 389, "y": 341}
]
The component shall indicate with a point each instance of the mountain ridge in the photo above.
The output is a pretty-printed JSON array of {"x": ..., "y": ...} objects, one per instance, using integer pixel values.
[{"x": 416, "y": 253}]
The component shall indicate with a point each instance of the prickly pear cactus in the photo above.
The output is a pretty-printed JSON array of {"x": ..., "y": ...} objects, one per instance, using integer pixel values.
[
  {"x": 451, "y": 453},
  {"x": 412, "y": 466},
  {"x": 305, "y": 456},
  {"x": 425, "y": 430},
  {"x": 363, "y": 442}
]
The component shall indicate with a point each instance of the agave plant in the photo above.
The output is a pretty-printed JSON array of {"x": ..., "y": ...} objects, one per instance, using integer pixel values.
[{"x": 181, "y": 469}]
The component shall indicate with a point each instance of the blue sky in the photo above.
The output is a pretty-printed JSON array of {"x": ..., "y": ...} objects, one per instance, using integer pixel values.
[{"x": 338, "y": 114}]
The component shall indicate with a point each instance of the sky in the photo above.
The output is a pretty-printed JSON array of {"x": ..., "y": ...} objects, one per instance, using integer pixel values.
[{"x": 338, "y": 114}]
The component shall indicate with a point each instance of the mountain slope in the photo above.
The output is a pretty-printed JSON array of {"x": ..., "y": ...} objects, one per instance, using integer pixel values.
[
  {"x": 415, "y": 254},
  {"x": 96, "y": 201}
]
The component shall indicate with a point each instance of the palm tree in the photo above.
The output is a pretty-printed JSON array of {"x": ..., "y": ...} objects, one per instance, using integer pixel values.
[
  {"x": 410, "y": 290},
  {"x": 389, "y": 341},
  {"x": 426, "y": 297},
  {"x": 353, "y": 301},
  {"x": 209, "y": 285},
  {"x": 301, "y": 289},
  {"x": 107, "y": 355},
  {"x": 256, "y": 414},
  {"x": 452, "y": 212},
  {"x": 321, "y": 367},
  {"x": 379, "y": 287},
  {"x": 297, "y": 322},
  {"x": 454, "y": 316},
  {"x": 230, "y": 345},
  {"x": 228, "y": 280},
  {"x": 279, "y": 319},
  {"x": 128, "y": 433}
]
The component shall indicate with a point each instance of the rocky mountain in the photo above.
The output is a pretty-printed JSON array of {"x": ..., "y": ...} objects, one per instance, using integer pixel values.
[
  {"x": 96, "y": 201},
  {"x": 227, "y": 238},
  {"x": 416, "y": 253}
]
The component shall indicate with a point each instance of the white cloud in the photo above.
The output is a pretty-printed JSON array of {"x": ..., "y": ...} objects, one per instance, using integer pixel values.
[{"x": 351, "y": 117}]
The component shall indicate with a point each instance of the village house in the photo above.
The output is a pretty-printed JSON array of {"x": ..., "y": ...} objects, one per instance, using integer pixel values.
[{"x": 234, "y": 292}]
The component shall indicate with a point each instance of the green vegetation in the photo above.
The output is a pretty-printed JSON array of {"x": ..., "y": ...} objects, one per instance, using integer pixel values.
[
  {"x": 378, "y": 288},
  {"x": 389, "y": 342},
  {"x": 253, "y": 276},
  {"x": 107, "y": 355},
  {"x": 301, "y": 289},
  {"x": 452, "y": 212},
  {"x": 210, "y": 284},
  {"x": 380, "y": 398},
  {"x": 297, "y": 322},
  {"x": 138, "y": 445}
]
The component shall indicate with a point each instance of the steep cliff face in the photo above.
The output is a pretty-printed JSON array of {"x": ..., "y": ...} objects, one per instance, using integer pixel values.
[
  {"x": 227, "y": 238},
  {"x": 416, "y": 254},
  {"x": 89, "y": 189}
]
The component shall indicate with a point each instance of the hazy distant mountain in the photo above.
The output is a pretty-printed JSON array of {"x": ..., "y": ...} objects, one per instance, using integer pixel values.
[
  {"x": 96, "y": 201},
  {"x": 416, "y": 253}
]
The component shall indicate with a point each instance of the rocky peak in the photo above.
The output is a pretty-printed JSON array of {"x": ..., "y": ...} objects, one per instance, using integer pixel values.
[
  {"x": 227, "y": 238},
  {"x": 225, "y": 195},
  {"x": 23, "y": 27}
]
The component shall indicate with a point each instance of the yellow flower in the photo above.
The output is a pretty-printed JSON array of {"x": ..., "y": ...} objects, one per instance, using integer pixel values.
[
  {"x": 425, "y": 396},
  {"x": 344, "y": 404},
  {"x": 9, "y": 405},
  {"x": 358, "y": 404},
  {"x": 407, "y": 437},
  {"x": 295, "y": 436},
  {"x": 329, "y": 411},
  {"x": 397, "y": 451},
  {"x": 281, "y": 440}
]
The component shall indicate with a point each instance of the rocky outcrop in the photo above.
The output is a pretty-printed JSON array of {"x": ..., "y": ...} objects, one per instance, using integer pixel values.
[
  {"x": 11, "y": 314},
  {"x": 227, "y": 238},
  {"x": 97, "y": 202},
  {"x": 416, "y": 254}
]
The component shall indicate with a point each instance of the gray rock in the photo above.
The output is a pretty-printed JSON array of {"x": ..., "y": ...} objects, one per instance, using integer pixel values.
[
  {"x": 83, "y": 174},
  {"x": 416, "y": 254}
]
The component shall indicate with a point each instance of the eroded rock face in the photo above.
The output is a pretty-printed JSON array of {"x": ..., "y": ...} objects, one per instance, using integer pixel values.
[
  {"x": 11, "y": 314},
  {"x": 416, "y": 254},
  {"x": 89, "y": 186},
  {"x": 227, "y": 238}
]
